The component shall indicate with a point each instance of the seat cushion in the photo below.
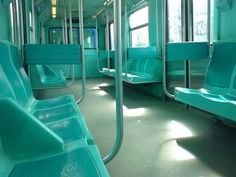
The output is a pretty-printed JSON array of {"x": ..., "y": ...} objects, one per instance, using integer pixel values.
[{"x": 208, "y": 101}]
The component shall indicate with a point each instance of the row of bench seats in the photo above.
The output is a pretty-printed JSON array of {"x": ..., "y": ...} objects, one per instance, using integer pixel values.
[
  {"x": 43, "y": 76},
  {"x": 143, "y": 66},
  {"x": 218, "y": 94},
  {"x": 41, "y": 138}
]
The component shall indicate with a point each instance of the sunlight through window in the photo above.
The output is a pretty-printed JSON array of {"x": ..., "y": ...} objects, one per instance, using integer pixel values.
[
  {"x": 98, "y": 86},
  {"x": 133, "y": 112},
  {"x": 102, "y": 93},
  {"x": 178, "y": 130},
  {"x": 181, "y": 154}
]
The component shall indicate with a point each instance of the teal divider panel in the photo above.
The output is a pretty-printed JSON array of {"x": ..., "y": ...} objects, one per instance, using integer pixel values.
[
  {"x": 187, "y": 51},
  {"x": 142, "y": 52},
  {"x": 52, "y": 54}
]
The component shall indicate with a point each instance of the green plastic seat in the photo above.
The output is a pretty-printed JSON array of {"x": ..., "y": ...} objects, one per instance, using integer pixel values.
[
  {"x": 143, "y": 66},
  {"x": 30, "y": 148},
  {"x": 34, "y": 137},
  {"x": 20, "y": 92},
  {"x": 103, "y": 54},
  {"x": 82, "y": 162},
  {"x": 218, "y": 94},
  {"x": 24, "y": 80},
  {"x": 43, "y": 76}
]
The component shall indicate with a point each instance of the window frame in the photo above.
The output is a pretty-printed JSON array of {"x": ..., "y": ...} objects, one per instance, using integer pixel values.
[
  {"x": 78, "y": 39},
  {"x": 110, "y": 36},
  {"x": 139, "y": 26}
]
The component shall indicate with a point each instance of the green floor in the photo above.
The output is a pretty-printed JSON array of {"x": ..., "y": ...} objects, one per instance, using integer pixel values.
[{"x": 161, "y": 139}]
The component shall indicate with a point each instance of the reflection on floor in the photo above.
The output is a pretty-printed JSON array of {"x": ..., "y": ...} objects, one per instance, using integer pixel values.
[{"x": 161, "y": 139}]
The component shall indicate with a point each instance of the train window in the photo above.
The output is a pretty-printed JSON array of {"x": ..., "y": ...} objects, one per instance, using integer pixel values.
[
  {"x": 174, "y": 21},
  {"x": 112, "y": 44},
  {"x": 56, "y": 36},
  {"x": 138, "y": 23},
  {"x": 31, "y": 27},
  {"x": 200, "y": 20},
  {"x": 90, "y": 38}
]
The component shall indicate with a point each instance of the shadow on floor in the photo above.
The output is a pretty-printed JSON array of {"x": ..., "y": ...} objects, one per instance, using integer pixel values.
[
  {"x": 132, "y": 98},
  {"x": 216, "y": 149}
]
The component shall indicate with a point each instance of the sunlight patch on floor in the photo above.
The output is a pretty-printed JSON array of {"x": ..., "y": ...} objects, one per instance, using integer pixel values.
[
  {"x": 180, "y": 153},
  {"x": 97, "y": 87},
  {"x": 178, "y": 130},
  {"x": 133, "y": 112}
]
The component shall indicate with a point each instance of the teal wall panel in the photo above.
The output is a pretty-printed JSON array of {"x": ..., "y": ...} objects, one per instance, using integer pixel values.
[
  {"x": 5, "y": 22},
  {"x": 228, "y": 23},
  {"x": 90, "y": 63}
]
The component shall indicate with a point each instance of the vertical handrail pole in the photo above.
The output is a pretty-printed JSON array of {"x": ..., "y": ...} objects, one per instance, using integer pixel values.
[
  {"x": 126, "y": 41},
  {"x": 108, "y": 40},
  {"x": 97, "y": 47},
  {"x": 118, "y": 81},
  {"x": 164, "y": 41},
  {"x": 70, "y": 23},
  {"x": 63, "y": 31},
  {"x": 33, "y": 22},
  {"x": 71, "y": 41},
  {"x": 157, "y": 27},
  {"x": 65, "y": 21},
  {"x": 81, "y": 30},
  {"x": 186, "y": 37},
  {"x": 209, "y": 22}
]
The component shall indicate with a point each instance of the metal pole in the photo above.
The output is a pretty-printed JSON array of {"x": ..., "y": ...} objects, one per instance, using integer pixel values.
[
  {"x": 81, "y": 27},
  {"x": 42, "y": 33},
  {"x": 126, "y": 41},
  {"x": 118, "y": 81},
  {"x": 33, "y": 22},
  {"x": 70, "y": 18},
  {"x": 97, "y": 47},
  {"x": 164, "y": 41},
  {"x": 71, "y": 42},
  {"x": 186, "y": 37},
  {"x": 209, "y": 22},
  {"x": 65, "y": 21},
  {"x": 107, "y": 41},
  {"x": 63, "y": 31},
  {"x": 157, "y": 27}
]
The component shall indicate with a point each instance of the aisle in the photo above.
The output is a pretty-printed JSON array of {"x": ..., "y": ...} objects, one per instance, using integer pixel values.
[{"x": 161, "y": 139}]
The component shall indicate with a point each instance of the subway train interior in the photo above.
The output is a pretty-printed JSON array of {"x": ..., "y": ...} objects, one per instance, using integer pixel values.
[{"x": 117, "y": 88}]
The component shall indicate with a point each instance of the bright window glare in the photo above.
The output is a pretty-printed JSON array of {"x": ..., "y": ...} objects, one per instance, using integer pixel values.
[
  {"x": 181, "y": 154},
  {"x": 178, "y": 130},
  {"x": 174, "y": 20},
  {"x": 140, "y": 37},
  {"x": 139, "y": 17},
  {"x": 200, "y": 20},
  {"x": 112, "y": 36},
  {"x": 102, "y": 93},
  {"x": 133, "y": 112},
  {"x": 100, "y": 85}
]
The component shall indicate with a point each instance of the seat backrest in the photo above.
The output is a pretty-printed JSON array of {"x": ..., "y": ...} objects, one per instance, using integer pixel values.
[
  {"x": 8, "y": 61},
  {"x": 5, "y": 86},
  {"x": 41, "y": 72},
  {"x": 139, "y": 58},
  {"x": 221, "y": 64},
  {"x": 15, "y": 55},
  {"x": 151, "y": 66}
]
